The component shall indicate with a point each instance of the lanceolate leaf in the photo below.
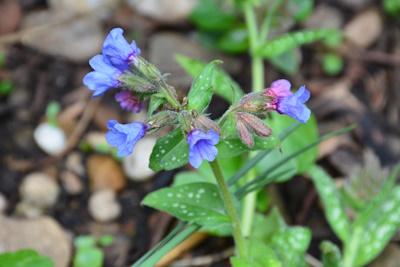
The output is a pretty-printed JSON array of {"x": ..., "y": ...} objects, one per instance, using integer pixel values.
[
  {"x": 331, "y": 198},
  {"x": 221, "y": 80},
  {"x": 170, "y": 152},
  {"x": 202, "y": 90},
  {"x": 198, "y": 203},
  {"x": 288, "y": 41},
  {"x": 156, "y": 100}
]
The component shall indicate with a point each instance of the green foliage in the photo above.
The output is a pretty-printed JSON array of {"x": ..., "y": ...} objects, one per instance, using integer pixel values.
[
  {"x": 84, "y": 241},
  {"x": 260, "y": 255},
  {"x": 156, "y": 100},
  {"x": 202, "y": 90},
  {"x": 6, "y": 87},
  {"x": 87, "y": 254},
  {"x": 289, "y": 243},
  {"x": 392, "y": 7},
  {"x": 262, "y": 203},
  {"x": 330, "y": 196},
  {"x": 24, "y": 258},
  {"x": 287, "y": 62},
  {"x": 106, "y": 240},
  {"x": 222, "y": 81},
  {"x": 289, "y": 41},
  {"x": 208, "y": 16},
  {"x": 300, "y": 138},
  {"x": 1, "y": 59},
  {"x": 234, "y": 41},
  {"x": 331, "y": 256},
  {"x": 198, "y": 203},
  {"x": 52, "y": 111},
  {"x": 170, "y": 152},
  {"x": 302, "y": 9},
  {"x": 332, "y": 64}
]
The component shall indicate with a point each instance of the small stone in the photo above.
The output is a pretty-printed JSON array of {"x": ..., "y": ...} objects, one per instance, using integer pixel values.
[
  {"x": 74, "y": 163},
  {"x": 325, "y": 16},
  {"x": 163, "y": 10},
  {"x": 103, "y": 206},
  {"x": 39, "y": 189},
  {"x": 136, "y": 165},
  {"x": 28, "y": 210},
  {"x": 72, "y": 184},
  {"x": 105, "y": 173},
  {"x": 50, "y": 139},
  {"x": 95, "y": 139},
  {"x": 44, "y": 235},
  {"x": 78, "y": 40},
  {"x": 3, "y": 203},
  {"x": 365, "y": 28}
]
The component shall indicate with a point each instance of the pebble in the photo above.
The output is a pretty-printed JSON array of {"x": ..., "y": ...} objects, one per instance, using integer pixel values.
[
  {"x": 77, "y": 40},
  {"x": 177, "y": 44},
  {"x": 43, "y": 235},
  {"x": 365, "y": 28},
  {"x": 39, "y": 189},
  {"x": 105, "y": 173},
  {"x": 3, "y": 203},
  {"x": 71, "y": 182},
  {"x": 325, "y": 16},
  {"x": 50, "y": 139},
  {"x": 103, "y": 206},
  {"x": 163, "y": 10},
  {"x": 74, "y": 163},
  {"x": 136, "y": 165}
]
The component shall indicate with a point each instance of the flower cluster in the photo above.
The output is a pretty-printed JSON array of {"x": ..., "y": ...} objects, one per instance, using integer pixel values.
[{"x": 121, "y": 67}]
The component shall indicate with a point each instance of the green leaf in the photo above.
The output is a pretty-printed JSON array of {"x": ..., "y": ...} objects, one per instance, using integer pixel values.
[
  {"x": 391, "y": 7},
  {"x": 383, "y": 222},
  {"x": 202, "y": 90},
  {"x": 234, "y": 41},
  {"x": 106, "y": 240},
  {"x": 289, "y": 41},
  {"x": 198, "y": 203},
  {"x": 302, "y": 9},
  {"x": 210, "y": 17},
  {"x": 331, "y": 199},
  {"x": 303, "y": 136},
  {"x": 287, "y": 62},
  {"x": 1, "y": 59},
  {"x": 262, "y": 203},
  {"x": 156, "y": 101},
  {"x": 260, "y": 255},
  {"x": 6, "y": 87},
  {"x": 332, "y": 64},
  {"x": 88, "y": 257},
  {"x": 24, "y": 258},
  {"x": 170, "y": 152},
  {"x": 84, "y": 241},
  {"x": 233, "y": 146},
  {"x": 331, "y": 256},
  {"x": 221, "y": 80}
]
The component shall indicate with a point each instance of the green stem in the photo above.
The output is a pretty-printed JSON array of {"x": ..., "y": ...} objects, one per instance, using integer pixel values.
[
  {"x": 351, "y": 249},
  {"x": 171, "y": 98},
  {"x": 230, "y": 209},
  {"x": 248, "y": 207}
]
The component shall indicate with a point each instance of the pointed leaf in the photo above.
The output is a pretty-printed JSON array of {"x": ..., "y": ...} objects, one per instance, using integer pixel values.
[
  {"x": 156, "y": 101},
  {"x": 170, "y": 152},
  {"x": 331, "y": 256},
  {"x": 198, "y": 203}
]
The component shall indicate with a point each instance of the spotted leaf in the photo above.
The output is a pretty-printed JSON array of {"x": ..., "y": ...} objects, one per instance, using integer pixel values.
[
  {"x": 170, "y": 152},
  {"x": 198, "y": 203},
  {"x": 331, "y": 199}
]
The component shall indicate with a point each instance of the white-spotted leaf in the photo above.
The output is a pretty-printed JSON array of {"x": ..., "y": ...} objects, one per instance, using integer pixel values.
[
  {"x": 196, "y": 203},
  {"x": 331, "y": 256},
  {"x": 170, "y": 152},
  {"x": 331, "y": 199}
]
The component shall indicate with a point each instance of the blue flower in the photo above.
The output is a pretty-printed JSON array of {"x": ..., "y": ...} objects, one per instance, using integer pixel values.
[
  {"x": 202, "y": 146},
  {"x": 124, "y": 136},
  {"x": 104, "y": 76},
  {"x": 119, "y": 51},
  {"x": 294, "y": 106}
]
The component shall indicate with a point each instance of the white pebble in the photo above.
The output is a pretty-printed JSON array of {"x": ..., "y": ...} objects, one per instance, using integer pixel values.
[
  {"x": 50, "y": 139},
  {"x": 39, "y": 189},
  {"x": 103, "y": 206}
]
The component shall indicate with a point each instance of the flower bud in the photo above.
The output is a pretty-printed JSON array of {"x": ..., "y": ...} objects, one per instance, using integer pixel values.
[
  {"x": 160, "y": 120},
  {"x": 254, "y": 103},
  {"x": 204, "y": 123},
  {"x": 186, "y": 121},
  {"x": 149, "y": 71},
  {"x": 255, "y": 124},
  {"x": 244, "y": 133}
]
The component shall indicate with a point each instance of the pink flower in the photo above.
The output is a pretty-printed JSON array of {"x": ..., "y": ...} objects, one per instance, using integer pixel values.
[{"x": 128, "y": 101}]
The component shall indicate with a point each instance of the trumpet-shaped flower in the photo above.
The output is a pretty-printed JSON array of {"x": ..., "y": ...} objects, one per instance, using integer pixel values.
[
  {"x": 279, "y": 88},
  {"x": 104, "y": 76},
  {"x": 202, "y": 146},
  {"x": 124, "y": 136},
  {"x": 119, "y": 51},
  {"x": 129, "y": 102},
  {"x": 294, "y": 106}
]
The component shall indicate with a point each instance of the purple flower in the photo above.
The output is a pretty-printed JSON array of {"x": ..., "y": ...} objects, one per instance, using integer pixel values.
[
  {"x": 129, "y": 102},
  {"x": 104, "y": 76},
  {"x": 119, "y": 51},
  {"x": 202, "y": 146},
  {"x": 280, "y": 88},
  {"x": 124, "y": 136},
  {"x": 294, "y": 106}
]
